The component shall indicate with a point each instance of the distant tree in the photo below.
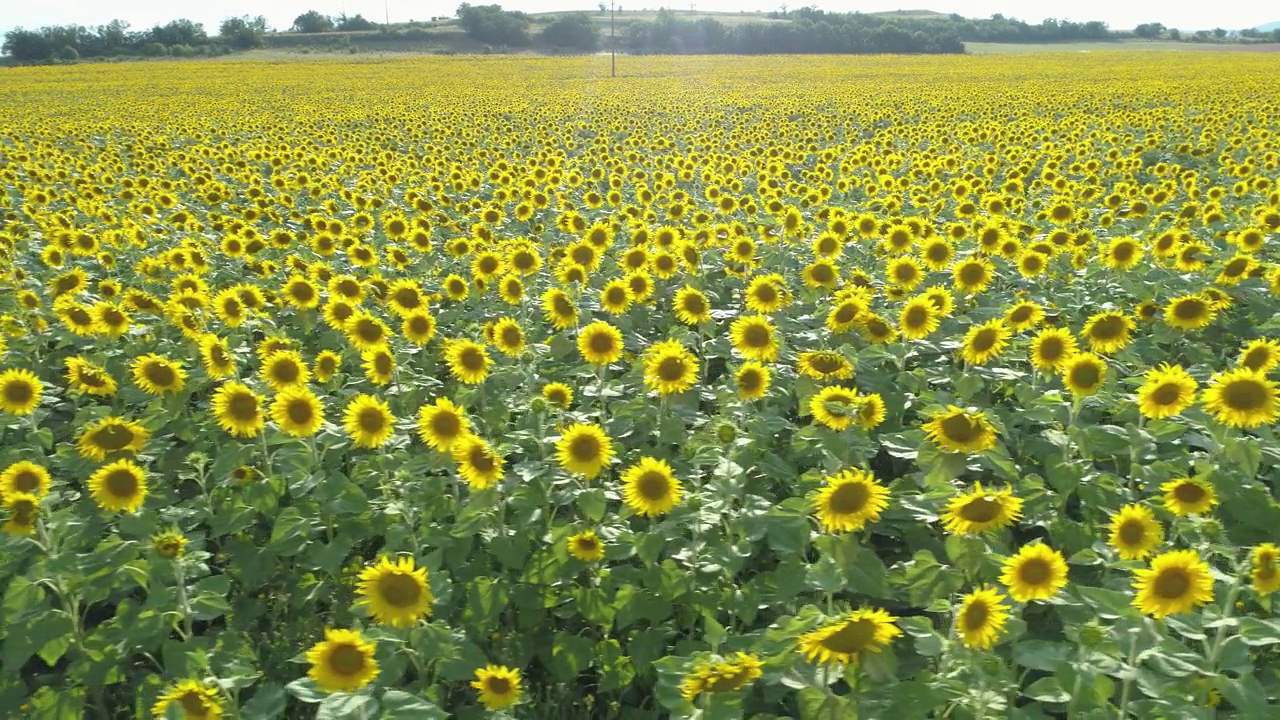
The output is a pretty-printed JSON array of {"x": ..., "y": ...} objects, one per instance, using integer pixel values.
[
  {"x": 243, "y": 32},
  {"x": 1149, "y": 30},
  {"x": 491, "y": 24},
  {"x": 1219, "y": 33},
  {"x": 1175, "y": 34},
  {"x": 312, "y": 22},
  {"x": 27, "y": 46},
  {"x": 178, "y": 32},
  {"x": 355, "y": 23},
  {"x": 572, "y": 31},
  {"x": 603, "y": 8},
  {"x": 66, "y": 52}
]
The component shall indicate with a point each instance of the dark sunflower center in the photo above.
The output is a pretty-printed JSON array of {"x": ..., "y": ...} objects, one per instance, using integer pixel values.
[
  {"x": 961, "y": 428},
  {"x": 1051, "y": 348},
  {"x": 399, "y": 589},
  {"x": 653, "y": 486},
  {"x": 26, "y": 481},
  {"x": 848, "y": 499},
  {"x": 372, "y": 420},
  {"x": 343, "y": 311},
  {"x": 694, "y": 305},
  {"x": 481, "y": 460},
  {"x": 1256, "y": 359},
  {"x": 981, "y": 510},
  {"x": 446, "y": 424},
  {"x": 113, "y": 437},
  {"x": 1245, "y": 394},
  {"x": 303, "y": 292},
  {"x": 976, "y": 615},
  {"x": 984, "y": 340},
  {"x": 671, "y": 369},
  {"x": 78, "y": 316},
  {"x": 471, "y": 359},
  {"x": 904, "y": 272},
  {"x": 1131, "y": 532},
  {"x": 1107, "y": 328},
  {"x": 749, "y": 380},
  {"x": 499, "y": 685},
  {"x": 1235, "y": 267},
  {"x": 1085, "y": 375},
  {"x": 382, "y": 363},
  {"x": 300, "y": 411},
  {"x": 585, "y": 448},
  {"x": 1189, "y": 492},
  {"x": 121, "y": 483},
  {"x": 112, "y": 317},
  {"x": 160, "y": 375},
  {"x": 917, "y": 316},
  {"x": 1172, "y": 583},
  {"x": 766, "y": 294},
  {"x": 285, "y": 371},
  {"x": 1167, "y": 394},
  {"x": 587, "y": 544},
  {"x": 972, "y": 274},
  {"x": 368, "y": 331},
  {"x": 846, "y": 313},
  {"x": 756, "y": 336},
  {"x": 1034, "y": 572},
  {"x": 1190, "y": 309},
  {"x": 854, "y": 637},
  {"x": 562, "y": 305},
  {"x": 616, "y": 296},
  {"x": 192, "y": 704},
  {"x": 827, "y": 363},
  {"x": 419, "y": 325},
  {"x": 1123, "y": 252},
  {"x": 19, "y": 392},
  {"x": 346, "y": 660},
  {"x": 1020, "y": 314},
  {"x": 601, "y": 343},
  {"x": 511, "y": 336}
]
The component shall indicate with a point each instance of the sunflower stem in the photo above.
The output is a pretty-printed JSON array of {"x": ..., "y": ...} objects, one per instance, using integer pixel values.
[
  {"x": 183, "y": 601},
  {"x": 1228, "y": 611},
  {"x": 1127, "y": 687}
]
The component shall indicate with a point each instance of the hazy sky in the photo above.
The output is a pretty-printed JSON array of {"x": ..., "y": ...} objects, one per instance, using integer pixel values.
[{"x": 1120, "y": 14}]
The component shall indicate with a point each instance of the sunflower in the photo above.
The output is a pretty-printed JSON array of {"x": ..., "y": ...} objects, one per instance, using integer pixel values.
[
  {"x": 395, "y": 593},
  {"x": 20, "y": 391},
  {"x": 1261, "y": 355},
  {"x": 670, "y": 368},
  {"x": 985, "y": 342},
  {"x": 650, "y": 488},
  {"x": 442, "y": 423},
  {"x": 834, "y": 407},
  {"x": 1083, "y": 374},
  {"x": 1188, "y": 496},
  {"x": 691, "y": 306},
  {"x": 1024, "y": 315},
  {"x": 418, "y": 326},
  {"x": 1036, "y": 572},
  {"x": 1108, "y": 331},
  {"x": 905, "y": 272},
  {"x": 1242, "y": 398},
  {"x": 378, "y": 365},
  {"x": 343, "y": 661},
  {"x": 849, "y": 500},
  {"x": 508, "y": 336},
  {"x": 367, "y": 332},
  {"x": 368, "y": 421},
  {"x": 1135, "y": 533},
  {"x": 941, "y": 298},
  {"x": 754, "y": 338},
  {"x": 919, "y": 317},
  {"x": 600, "y": 343},
  {"x": 559, "y": 309},
  {"x": 972, "y": 275},
  {"x": 1051, "y": 348},
  {"x": 285, "y": 369},
  {"x": 937, "y": 253},
  {"x": 752, "y": 380},
  {"x": 217, "y": 359},
  {"x": 1189, "y": 312},
  {"x": 717, "y": 676},
  {"x": 877, "y": 329},
  {"x": 1176, "y": 582},
  {"x": 326, "y": 365},
  {"x": 615, "y": 297},
  {"x": 300, "y": 292},
  {"x": 158, "y": 375},
  {"x": 959, "y": 430},
  {"x": 821, "y": 274},
  {"x": 980, "y": 510},
  {"x": 24, "y": 477},
  {"x": 824, "y": 365},
  {"x": 477, "y": 463},
  {"x": 557, "y": 394},
  {"x": 870, "y": 410},
  {"x": 1168, "y": 390},
  {"x": 584, "y": 449},
  {"x": 85, "y": 377},
  {"x": 109, "y": 436},
  {"x": 585, "y": 546},
  {"x": 192, "y": 698},
  {"x": 110, "y": 319},
  {"x": 499, "y": 686},
  {"x": 169, "y": 544},
  {"x": 119, "y": 487},
  {"x": 767, "y": 293},
  {"x": 338, "y": 312},
  {"x": 22, "y": 510},
  {"x": 297, "y": 412},
  {"x": 981, "y": 618},
  {"x": 455, "y": 287},
  {"x": 847, "y": 314},
  {"x": 1265, "y": 574},
  {"x": 842, "y": 641},
  {"x": 468, "y": 361}
]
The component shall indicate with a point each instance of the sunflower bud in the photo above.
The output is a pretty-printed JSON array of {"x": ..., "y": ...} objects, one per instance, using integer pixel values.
[
  {"x": 538, "y": 405},
  {"x": 1091, "y": 635},
  {"x": 726, "y": 433}
]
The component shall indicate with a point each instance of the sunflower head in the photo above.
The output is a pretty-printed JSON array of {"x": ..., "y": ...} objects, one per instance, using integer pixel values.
[
  {"x": 981, "y": 510},
  {"x": 343, "y": 662},
  {"x": 959, "y": 430},
  {"x": 396, "y": 592},
  {"x": 849, "y": 500},
  {"x": 1176, "y": 582},
  {"x": 498, "y": 686}
]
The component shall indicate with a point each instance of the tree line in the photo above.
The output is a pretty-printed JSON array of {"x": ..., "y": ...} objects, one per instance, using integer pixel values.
[{"x": 178, "y": 38}]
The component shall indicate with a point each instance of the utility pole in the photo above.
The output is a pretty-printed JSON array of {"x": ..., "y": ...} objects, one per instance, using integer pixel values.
[
  {"x": 386, "y": 13},
  {"x": 613, "y": 44}
]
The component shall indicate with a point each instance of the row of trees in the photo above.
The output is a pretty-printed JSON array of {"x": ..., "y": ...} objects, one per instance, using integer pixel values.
[
  {"x": 314, "y": 21},
  {"x": 490, "y": 24},
  {"x": 178, "y": 37},
  {"x": 811, "y": 31}
]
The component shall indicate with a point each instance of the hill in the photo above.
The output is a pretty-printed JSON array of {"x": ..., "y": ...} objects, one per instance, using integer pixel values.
[{"x": 1268, "y": 27}]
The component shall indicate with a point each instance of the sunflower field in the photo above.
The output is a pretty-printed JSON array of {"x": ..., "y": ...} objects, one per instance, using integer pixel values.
[{"x": 725, "y": 388}]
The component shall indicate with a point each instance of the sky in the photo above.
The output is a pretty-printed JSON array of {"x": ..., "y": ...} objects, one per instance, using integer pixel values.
[{"x": 142, "y": 14}]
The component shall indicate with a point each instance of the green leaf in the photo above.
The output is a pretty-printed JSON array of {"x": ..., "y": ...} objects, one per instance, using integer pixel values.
[
  {"x": 1258, "y": 632},
  {"x": 290, "y": 532},
  {"x": 400, "y": 705},
  {"x": 306, "y": 690},
  {"x": 268, "y": 702},
  {"x": 592, "y": 503},
  {"x": 341, "y": 706},
  {"x": 1041, "y": 654},
  {"x": 1047, "y": 689}
]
